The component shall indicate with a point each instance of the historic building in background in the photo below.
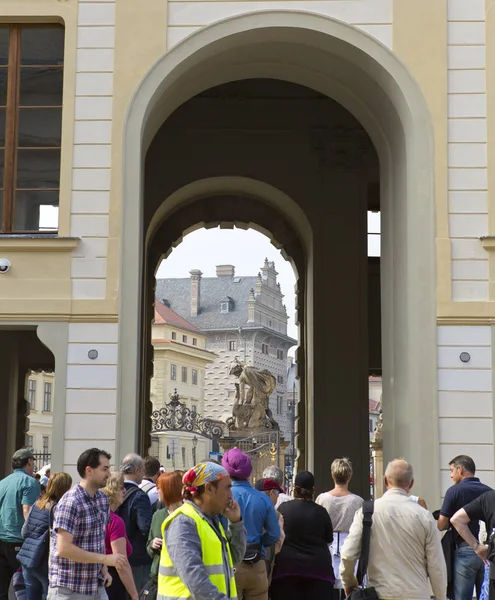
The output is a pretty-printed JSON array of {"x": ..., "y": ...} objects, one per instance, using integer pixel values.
[
  {"x": 130, "y": 124},
  {"x": 179, "y": 363},
  {"x": 40, "y": 399},
  {"x": 243, "y": 318}
]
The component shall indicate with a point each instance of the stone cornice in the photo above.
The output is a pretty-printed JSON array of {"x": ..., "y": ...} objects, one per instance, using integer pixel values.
[{"x": 37, "y": 243}]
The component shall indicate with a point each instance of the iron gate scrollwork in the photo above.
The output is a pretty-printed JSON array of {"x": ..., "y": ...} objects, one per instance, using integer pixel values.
[{"x": 176, "y": 416}]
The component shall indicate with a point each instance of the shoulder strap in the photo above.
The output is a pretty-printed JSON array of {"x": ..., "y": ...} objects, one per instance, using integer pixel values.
[
  {"x": 149, "y": 485},
  {"x": 365, "y": 541},
  {"x": 130, "y": 492},
  {"x": 51, "y": 517}
]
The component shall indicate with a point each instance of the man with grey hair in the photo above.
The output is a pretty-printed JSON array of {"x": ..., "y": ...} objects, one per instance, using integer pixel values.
[
  {"x": 136, "y": 512},
  {"x": 276, "y": 474},
  {"x": 405, "y": 547}
]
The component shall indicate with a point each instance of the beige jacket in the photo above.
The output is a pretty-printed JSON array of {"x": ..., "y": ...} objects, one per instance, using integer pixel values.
[{"x": 405, "y": 550}]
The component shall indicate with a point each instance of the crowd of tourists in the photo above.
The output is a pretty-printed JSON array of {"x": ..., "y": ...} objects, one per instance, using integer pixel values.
[{"x": 212, "y": 533}]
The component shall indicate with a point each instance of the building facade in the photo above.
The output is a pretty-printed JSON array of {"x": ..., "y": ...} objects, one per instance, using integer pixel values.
[
  {"x": 129, "y": 124},
  {"x": 180, "y": 360},
  {"x": 39, "y": 395},
  {"x": 244, "y": 319}
]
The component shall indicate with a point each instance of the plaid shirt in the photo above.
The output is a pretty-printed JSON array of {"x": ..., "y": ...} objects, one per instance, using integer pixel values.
[{"x": 86, "y": 519}]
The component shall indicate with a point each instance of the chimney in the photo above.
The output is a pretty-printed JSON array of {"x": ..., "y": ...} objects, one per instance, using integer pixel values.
[
  {"x": 225, "y": 270},
  {"x": 195, "y": 291}
]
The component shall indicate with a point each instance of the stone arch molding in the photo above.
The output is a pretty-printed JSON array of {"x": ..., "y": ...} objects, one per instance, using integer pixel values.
[
  {"x": 365, "y": 77},
  {"x": 237, "y": 186}
]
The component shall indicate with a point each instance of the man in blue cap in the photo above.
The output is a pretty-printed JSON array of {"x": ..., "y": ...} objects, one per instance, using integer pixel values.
[{"x": 18, "y": 492}]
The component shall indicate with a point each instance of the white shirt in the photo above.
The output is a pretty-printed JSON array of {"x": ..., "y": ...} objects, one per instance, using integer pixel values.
[
  {"x": 405, "y": 550},
  {"x": 152, "y": 491},
  {"x": 281, "y": 499}
]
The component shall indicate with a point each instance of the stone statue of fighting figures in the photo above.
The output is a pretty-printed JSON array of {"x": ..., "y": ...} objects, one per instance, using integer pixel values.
[{"x": 251, "y": 405}]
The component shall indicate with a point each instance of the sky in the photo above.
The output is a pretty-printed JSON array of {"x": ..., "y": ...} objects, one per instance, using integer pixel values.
[{"x": 204, "y": 249}]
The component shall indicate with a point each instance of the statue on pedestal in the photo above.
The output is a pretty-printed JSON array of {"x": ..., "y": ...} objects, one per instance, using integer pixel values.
[{"x": 251, "y": 405}]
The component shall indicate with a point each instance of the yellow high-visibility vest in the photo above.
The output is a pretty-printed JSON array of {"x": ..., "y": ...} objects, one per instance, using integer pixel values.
[{"x": 170, "y": 586}]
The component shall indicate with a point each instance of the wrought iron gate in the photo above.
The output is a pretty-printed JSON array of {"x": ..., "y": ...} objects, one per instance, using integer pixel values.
[{"x": 263, "y": 449}]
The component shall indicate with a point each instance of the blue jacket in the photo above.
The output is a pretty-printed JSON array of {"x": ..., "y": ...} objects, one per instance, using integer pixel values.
[
  {"x": 137, "y": 514},
  {"x": 33, "y": 554},
  {"x": 258, "y": 514}
]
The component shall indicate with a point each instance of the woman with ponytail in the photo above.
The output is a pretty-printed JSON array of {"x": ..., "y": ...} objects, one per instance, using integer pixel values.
[{"x": 303, "y": 568}]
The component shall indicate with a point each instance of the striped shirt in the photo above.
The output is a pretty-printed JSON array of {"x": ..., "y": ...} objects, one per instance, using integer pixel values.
[{"x": 85, "y": 518}]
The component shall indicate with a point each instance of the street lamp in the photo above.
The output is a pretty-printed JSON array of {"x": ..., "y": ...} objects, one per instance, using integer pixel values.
[{"x": 194, "y": 443}]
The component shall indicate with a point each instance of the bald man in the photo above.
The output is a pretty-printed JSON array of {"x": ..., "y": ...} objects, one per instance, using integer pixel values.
[{"x": 405, "y": 550}]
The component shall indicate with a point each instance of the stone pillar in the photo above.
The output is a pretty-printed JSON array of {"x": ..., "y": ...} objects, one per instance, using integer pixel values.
[{"x": 377, "y": 455}]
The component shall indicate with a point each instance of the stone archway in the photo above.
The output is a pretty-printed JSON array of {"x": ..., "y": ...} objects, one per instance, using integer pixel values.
[
  {"x": 355, "y": 70},
  {"x": 247, "y": 204}
]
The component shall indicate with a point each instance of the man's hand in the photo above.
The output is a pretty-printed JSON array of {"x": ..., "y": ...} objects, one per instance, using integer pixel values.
[
  {"x": 347, "y": 591},
  {"x": 107, "y": 579},
  {"x": 118, "y": 561},
  {"x": 233, "y": 512},
  {"x": 157, "y": 543},
  {"x": 482, "y": 551}
]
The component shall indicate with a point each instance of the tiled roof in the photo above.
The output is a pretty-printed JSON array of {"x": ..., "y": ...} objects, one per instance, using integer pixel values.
[
  {"x": 165, "y": 315},
  {"x": 177, "y": 293}
]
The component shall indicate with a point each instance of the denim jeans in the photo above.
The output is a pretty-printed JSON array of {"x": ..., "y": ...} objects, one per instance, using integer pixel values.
[
  {"x": 36, "y": 582},
  {"x": 469, "y": 571}
]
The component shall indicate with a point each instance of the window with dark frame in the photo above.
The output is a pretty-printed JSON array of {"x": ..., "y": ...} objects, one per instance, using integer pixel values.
[
  {"x": 280, "y": 354},
  {"x": 29, "y": 441},
  {"x": 173, "y": 372},
  {"x": 184, "y": 339},
  {"x": 264, "y": 349},
  {"x": 32, "y": 392},
  {"x": 31, "y": 87},
  {"x": 195, "y": 342},
  {"x": 232, "y": 345},
  {"x": 184, "y": 374},
  {"x": 46, "y": 444},
  {"x": 174, "y": 335},
  {"x": 47, "y": 404},
  {"x": 194, "y": 376},
  {"x": 280, "y": 400},
  {"x": 280, "y": 379}
]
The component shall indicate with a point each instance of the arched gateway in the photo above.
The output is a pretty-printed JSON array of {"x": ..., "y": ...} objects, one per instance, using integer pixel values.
[{"x": 314, "y": 215}]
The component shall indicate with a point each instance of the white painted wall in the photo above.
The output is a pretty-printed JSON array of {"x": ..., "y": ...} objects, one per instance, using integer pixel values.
[
  {"x": 91, "y": 154},
  {"x": 467, "y": 152},
  {"x": 372, "y": 16},
  {"x": 465, "y": 399},
  {"x": 91, "y": 401}
]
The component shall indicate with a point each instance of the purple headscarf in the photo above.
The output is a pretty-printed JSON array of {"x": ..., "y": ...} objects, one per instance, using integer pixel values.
[{"x": 237, "y": 463}]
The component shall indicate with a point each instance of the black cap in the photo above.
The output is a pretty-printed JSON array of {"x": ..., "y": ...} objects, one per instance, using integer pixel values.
[{"x": 305, "y": 480}]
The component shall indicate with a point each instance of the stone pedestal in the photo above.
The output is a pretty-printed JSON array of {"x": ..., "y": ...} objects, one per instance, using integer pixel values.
[
  {"x": 377, "y": 455},
  {"x": 263, "y": 446}
]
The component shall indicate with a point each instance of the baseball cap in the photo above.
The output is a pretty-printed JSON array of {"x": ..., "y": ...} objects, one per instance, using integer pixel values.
[
  {"x": 305, "y": 480},
  {"x": 22, "y": 454},
  {"x": 270, "y": 484}
]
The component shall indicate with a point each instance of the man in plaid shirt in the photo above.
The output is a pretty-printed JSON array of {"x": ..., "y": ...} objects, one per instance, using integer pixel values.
[{"x": 78, "y": 563}]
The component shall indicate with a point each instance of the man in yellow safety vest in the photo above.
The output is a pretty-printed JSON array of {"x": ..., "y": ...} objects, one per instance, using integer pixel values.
[{"x": 198, "y": 556}]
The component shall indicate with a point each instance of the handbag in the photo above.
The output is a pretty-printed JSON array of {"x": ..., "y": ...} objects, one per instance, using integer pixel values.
[
  {"x": 150, "y": 590},
  {"x": 364, "y": 593}
]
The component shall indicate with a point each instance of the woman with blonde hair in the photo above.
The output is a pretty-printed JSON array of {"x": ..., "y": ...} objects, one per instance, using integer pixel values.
[
  {"x": 116, "y": 542},
  {"x": 169, "y": 487},
  {"x": 36, "y": 533},
  {"x": 341, "y": 505}
]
